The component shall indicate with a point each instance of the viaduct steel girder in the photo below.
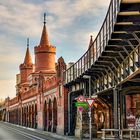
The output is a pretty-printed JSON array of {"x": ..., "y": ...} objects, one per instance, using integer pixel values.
[{"x": 115, "y": 53}]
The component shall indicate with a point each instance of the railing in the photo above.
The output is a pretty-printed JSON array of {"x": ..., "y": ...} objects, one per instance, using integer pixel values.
[
  {"x": 110, "y": 134},
  {"x": 131, "y": 134},
  {"x": 97, "y": 47}
]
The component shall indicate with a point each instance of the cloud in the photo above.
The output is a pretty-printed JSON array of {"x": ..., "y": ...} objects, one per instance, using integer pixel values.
[
  {"x": 74, "y": 21},
  {"x": 7, "y": 88},
  {"x": 66, "y": 11},
  {"x": 70, "y": 24},
  {"x": 23, "y": 19},
  {"x": 18, "y": 17},
  {"x": 11, "y": 56}
]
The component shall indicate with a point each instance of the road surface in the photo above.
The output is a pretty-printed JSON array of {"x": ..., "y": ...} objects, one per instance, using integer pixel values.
[{"x": 12, "y": 132}]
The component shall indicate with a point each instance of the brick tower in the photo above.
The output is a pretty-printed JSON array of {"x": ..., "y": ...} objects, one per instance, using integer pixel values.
[
  {"x": 27, "y": 67},
  {"x": 45, "y": 54},
  {"x": 91, "y": 41}
]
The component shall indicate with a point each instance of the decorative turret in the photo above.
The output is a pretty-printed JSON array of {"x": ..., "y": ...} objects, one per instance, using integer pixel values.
[
  {"x": 44, "y": 37},
  {"x": 61, "y": 66},
  {"x": 27, "y": 67},
  {"x": 91, "y": 41},
  {"x": 45, "y": 54},
  {"x": 28, "y": 59}
]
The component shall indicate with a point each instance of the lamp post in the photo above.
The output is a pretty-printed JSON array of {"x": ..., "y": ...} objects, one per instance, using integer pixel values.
[{"x": 89, "y": 113}]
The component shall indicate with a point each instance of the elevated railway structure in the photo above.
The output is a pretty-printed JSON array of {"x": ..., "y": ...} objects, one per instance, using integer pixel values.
[{"x": 112, "y": 67}]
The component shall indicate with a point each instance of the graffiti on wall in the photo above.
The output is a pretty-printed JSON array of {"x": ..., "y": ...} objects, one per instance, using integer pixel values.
[{"x": 130, "y": 120}]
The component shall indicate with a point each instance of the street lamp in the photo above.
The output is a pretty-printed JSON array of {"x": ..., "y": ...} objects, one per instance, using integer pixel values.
[{"x": 89, "y": 113}]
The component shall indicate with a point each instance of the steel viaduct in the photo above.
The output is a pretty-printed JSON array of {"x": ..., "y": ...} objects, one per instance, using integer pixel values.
[{"x": 110, "y": 69}]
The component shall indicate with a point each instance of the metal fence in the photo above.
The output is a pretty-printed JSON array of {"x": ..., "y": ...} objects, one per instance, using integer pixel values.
[{"x": 120, "y": 134}]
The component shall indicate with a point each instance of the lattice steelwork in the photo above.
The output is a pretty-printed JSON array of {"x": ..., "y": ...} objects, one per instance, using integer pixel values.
[{"x": 115, "y": 53}]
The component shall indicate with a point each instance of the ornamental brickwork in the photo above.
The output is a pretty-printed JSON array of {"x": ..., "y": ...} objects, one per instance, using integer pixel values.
[{"x": 39, "y": 102}]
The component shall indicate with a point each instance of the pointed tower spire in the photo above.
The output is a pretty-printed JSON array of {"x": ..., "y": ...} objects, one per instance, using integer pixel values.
[
  {"x": 45, "y": 54},
  {"x": 44, "y": 18},
  {"x": 27, "y": 42},
  {"x": 91, "y": 41},
  {"x": 44, "y": 38},
  {"x": 28, "y": 59},
  {"x": 26, "y": 68}
]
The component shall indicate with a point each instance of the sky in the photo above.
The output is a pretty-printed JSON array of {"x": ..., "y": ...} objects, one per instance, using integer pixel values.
[{"x": 70, "y": 23}]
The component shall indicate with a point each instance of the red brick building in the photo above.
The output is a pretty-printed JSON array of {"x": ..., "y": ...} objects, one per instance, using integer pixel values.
[{"x": 39, "y": 102}]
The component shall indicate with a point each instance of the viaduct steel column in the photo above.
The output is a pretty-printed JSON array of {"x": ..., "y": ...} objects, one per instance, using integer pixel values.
[{"x": 116, "y": 112}]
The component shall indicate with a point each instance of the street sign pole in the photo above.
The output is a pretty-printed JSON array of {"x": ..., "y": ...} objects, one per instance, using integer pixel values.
[
  {"x": 90, "y": 126},
  {"x": 81, "y": 135},
  {"x": 90, "y": 102}
]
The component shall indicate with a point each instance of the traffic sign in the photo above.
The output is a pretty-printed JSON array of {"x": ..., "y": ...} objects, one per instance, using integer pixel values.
[
  {"x": 90, "y": 101},
  {"x": 81, "y": 98},
  {"x": 82, "y": 104},
  {"x": 80, "y": 108}
]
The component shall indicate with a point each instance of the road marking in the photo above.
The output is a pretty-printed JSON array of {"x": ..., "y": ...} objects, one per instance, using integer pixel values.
[{"x": 24, "y": 133}]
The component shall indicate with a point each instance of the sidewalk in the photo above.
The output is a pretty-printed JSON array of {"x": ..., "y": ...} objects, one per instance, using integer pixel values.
[
  {"x": 57, "y": 136},
  {"x": 54, "y": 135},
  {"x": 61, "y": 137}
]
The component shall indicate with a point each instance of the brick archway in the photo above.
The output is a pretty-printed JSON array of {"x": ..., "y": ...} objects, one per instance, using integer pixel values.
[
  {"x": 23, "y": 116},
  {"x": 22, "y": 112},
  {"x": 19, "y": 115},
  {"x": 45, "y": 116},
  {"x": 30, "y": 115},
  {"x": 27, "y": 115},
  {"x": 35, "y": 126},
  {"x": 16, "y": 117},
  {"x": 54, "y": 115},
  {"x": 50, "y": 115},
  {"x": 32, "y": 125}
]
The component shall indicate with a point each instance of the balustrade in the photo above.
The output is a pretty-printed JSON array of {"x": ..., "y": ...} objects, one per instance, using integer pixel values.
[{"x": 131, "y": 134}]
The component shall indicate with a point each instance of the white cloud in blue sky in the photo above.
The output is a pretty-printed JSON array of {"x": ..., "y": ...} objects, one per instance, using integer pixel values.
[{"x": 70, "y": 24}]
